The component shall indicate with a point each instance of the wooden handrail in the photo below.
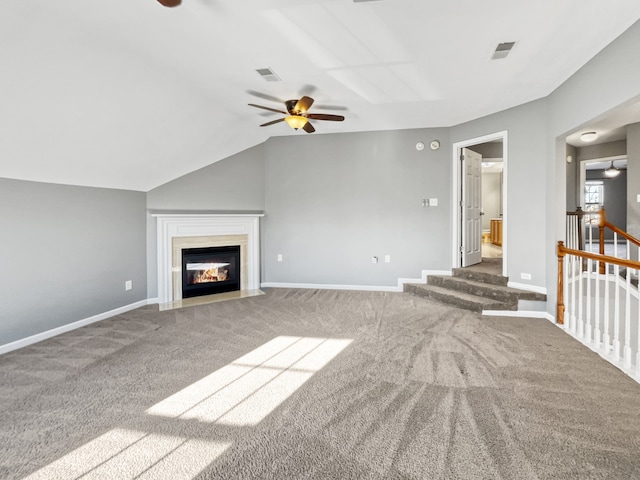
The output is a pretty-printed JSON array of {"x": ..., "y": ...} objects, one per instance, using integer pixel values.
[
  {"x": 623, "y": 234},
  {"x": 623, "y": 262},
  {"x": 603, "y": 222},
  {"x": 561, "y": 251}
]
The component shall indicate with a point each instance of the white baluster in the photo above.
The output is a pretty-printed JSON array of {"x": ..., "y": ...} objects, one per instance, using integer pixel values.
[
  {"x": 580, "y": 301},
  {"x": 616, "y": 313},
  {"x": 572, "y": 320},
  {"x": 596, "y": 331},
  {"x": 565, "y": 269},
  {"x": 606, "y": 338},
  {"x": 627, "y": 322},
  {"x": 638, "y": 329},
  {"x": 587, "y": 327}
]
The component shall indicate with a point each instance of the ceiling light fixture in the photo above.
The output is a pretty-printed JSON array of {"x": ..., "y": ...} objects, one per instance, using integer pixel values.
[
  {"x": 296, "y": 121},
  {"x": 612, "y": 171},
  {"x": 588, "y": 136}
]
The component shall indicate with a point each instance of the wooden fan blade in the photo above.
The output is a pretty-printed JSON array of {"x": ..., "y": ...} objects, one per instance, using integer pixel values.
[
  {"x": 303, "y": 104},
  {"x": 170, "y": 3},
  {"x": 308, "y": 128},
  {"x": 272, "y": 122},
  {"x": 325, "y": 116},
  {"x": 266, "y": 96},
  {"x": 267, "y": 108}
]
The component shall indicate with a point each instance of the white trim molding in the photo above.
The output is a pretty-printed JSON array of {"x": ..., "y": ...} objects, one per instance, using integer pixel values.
[
  {"x": 172, "y": 225},
  {"x": 25, "y": 342},
  {"x": 519, "y": 314},
  {"x": 456, "y": 195},
  {"x": 527, "y": 287},
  {"x": 326, "y": 286},
  {"x": 368, "y": 288}
]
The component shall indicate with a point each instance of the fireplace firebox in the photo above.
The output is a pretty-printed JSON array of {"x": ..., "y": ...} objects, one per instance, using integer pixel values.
[{"x": 210, "y": 270}]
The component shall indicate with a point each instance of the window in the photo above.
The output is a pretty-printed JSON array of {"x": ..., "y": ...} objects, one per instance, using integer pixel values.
[{"x": 593, "y": 200}]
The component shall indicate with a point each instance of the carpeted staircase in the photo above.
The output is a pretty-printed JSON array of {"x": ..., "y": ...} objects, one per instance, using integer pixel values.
[{"x": 475, "y": 289}]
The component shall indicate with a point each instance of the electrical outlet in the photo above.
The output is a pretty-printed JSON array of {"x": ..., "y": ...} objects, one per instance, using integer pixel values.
[
  {"x": 128, "y": 285},
  {"x": 525, "y": 276},
  {"x": 433, "y": 202},
  {"x": 387, "y": 259},
  {"x": 374, "y": 259},
  {"x": 279, "y": 257}
]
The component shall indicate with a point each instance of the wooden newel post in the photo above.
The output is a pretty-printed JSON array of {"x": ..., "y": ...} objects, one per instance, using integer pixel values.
[
  {"x": 601, "y": 223},
  {"x": 560, "y": 304}
]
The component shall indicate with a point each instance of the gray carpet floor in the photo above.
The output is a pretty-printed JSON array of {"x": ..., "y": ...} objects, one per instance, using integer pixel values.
[{"x": 417, "y": 391}]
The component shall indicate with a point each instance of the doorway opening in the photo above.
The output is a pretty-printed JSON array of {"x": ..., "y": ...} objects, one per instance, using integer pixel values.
[{"x": 480, "y": 219}]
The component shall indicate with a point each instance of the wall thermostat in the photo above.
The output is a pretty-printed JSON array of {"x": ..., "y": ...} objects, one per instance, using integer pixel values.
[
  {"x": 435, "y": 145},
  {"x": 419, "y": 146}
]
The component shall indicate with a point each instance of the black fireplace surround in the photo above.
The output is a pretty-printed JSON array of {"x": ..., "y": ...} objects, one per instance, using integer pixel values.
[{"x": 210, "y": 270}]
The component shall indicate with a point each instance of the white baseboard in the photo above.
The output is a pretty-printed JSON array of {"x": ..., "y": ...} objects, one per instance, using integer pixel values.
[
  {"x": 519, "y": 314},
  {"x": 368, "y": 288},
  {"x": 326, "y": 286},
  {"x": 527, "y": 287},
  {"x": 24, "y": 342}
]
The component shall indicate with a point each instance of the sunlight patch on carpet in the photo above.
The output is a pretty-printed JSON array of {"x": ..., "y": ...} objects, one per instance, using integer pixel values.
[
  {"x": 244, "y": 392},
  {"x": 127, "y": 454}
]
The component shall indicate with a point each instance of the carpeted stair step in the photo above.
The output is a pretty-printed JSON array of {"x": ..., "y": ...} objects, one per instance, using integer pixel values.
[
  {"x": 491, "y": 291},
  {"x": 479, "y": 276},
  {"x": 458, "y": 299}
]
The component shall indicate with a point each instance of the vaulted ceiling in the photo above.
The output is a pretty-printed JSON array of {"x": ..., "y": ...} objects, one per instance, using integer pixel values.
[{"x": 130, "y": 94}]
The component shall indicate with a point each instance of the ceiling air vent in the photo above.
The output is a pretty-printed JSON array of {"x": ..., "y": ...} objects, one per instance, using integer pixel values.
[
  {"x": 502, "y": 50},
  {"x": 268, "y": 74}
]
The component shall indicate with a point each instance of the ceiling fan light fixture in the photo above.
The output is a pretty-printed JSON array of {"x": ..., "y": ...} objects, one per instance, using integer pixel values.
[
  {"x": 588, "y": 136},
  {"x": 296, "y": 121},
  {"x": 612, "y": 171}
]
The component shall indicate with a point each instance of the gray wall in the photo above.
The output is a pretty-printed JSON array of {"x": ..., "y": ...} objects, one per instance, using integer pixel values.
[
  {"x": 613, "y": 74},
  {"x": 335, "y": 201},
  {"x": 524, "y": 230},
  {"x": 615, "y": 200},
  {"x": 489, "y": 149},
  {"x": 633, "y": 179},
  {"x": 66, "y": 254},
  {"x": 602, "y": 150},
  {"x": 235, "y": 184},
  {"x": 491, "y": 193}
]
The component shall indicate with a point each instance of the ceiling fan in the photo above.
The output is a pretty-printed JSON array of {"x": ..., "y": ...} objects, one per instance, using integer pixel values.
[{"x": 297, "y": 116}]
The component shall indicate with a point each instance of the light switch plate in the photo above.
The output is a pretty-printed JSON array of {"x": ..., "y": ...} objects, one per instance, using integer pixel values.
[{"x": 638, "y": 198}]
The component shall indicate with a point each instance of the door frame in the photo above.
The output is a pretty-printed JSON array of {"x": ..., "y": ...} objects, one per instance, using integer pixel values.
[{"x": 456, "y": 195}]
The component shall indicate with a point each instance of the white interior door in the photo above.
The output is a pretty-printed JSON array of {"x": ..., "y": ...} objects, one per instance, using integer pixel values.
[{"x": 471, "y": 208}]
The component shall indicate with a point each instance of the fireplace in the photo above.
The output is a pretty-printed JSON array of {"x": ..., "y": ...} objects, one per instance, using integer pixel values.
[
  {"x": 210, "y": 270},
  {"x": 178, "y": 231}
]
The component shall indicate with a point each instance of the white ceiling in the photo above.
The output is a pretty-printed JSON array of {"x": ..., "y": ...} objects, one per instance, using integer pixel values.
[
  {"x": 610, "y": 127},
  {"x": 129, "y": 94}
]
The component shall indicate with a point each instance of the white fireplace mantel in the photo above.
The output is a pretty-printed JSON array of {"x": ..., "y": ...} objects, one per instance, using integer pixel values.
[{"x": 171, "y": 225}]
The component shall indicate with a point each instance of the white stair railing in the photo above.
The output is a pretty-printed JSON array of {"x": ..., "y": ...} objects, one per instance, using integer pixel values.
[{"x": 603, "y": 304}]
